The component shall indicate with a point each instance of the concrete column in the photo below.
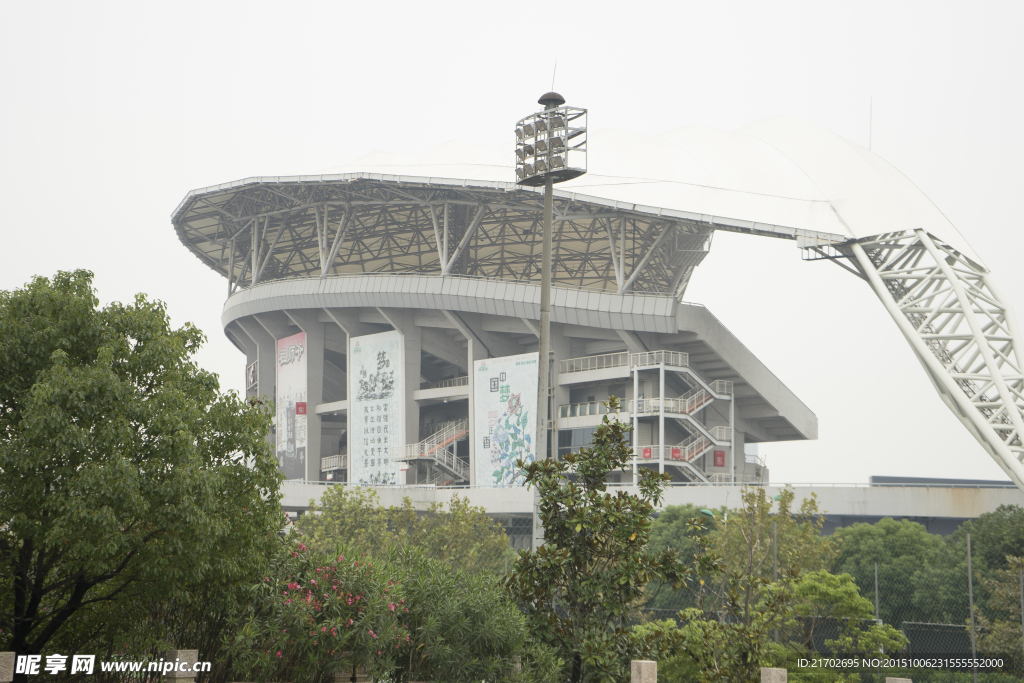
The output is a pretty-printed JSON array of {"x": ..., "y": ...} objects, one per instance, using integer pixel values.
[
  {"x": 183, "y": 659},
  {"x": 560, "y": 347},
  {"x": 266, "y": 368},
  {"x": 309, "y": 323},
  {"x": 412, "y": 346},
  {"x": 266, "y": 357},
  {"x": 643, "y": 671},
  {"x": 474, "y": 351},
  {"x": 773, "y": 675},
  {"x": 6, "y": 667},
  {"x": 661, "y": 417}
]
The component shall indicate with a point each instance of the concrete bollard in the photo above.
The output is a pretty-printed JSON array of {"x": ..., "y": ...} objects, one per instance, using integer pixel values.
[
  {"x": 643, "y": 671},
  {"x": 773, "y": 675},
  {"x": 6, "y": 667},
  {"x": 889, "y": 679},
  {"x": 186, "y": 657}
]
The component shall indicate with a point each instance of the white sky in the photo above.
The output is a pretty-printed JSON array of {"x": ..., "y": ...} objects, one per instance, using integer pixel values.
[{"x": 111, "y": 112}]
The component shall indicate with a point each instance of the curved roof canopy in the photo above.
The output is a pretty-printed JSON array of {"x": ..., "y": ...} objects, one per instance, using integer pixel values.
[{"x": 640, "y": 220}]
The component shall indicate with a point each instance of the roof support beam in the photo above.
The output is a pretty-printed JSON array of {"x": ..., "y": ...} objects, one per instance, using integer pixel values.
[
  {"x": 339, "y": 237},
  {"x": 643, "y": 262},
  {"x": 481, "y": 208},
  {"x": 616, "y": 262},
  {"x": 270, "y": 251}
]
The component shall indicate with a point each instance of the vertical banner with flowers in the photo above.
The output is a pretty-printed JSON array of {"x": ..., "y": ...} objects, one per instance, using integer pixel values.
[
  {"x": 376, "y": 408},
  {"x": 505, "y": 391},
  {"x": 291, "y": 406}
]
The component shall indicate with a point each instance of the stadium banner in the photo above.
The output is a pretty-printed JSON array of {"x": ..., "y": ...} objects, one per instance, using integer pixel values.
[
  {"x": 376, "y": 413},
  {"x": 291, "y": 406},
  {"x": 505, "y": 403}
]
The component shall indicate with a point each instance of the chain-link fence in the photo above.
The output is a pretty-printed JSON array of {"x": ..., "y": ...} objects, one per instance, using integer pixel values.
[{"x": 923, "y": 587}]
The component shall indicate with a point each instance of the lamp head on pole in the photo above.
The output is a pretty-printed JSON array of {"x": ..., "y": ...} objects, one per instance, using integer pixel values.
[{"x": 551, "y": 144}]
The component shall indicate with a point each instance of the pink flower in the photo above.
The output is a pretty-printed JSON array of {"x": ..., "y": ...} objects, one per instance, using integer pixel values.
[
  {"x": 392, "y": 606},
  {"x": 278, "y": 653},
  {"x": 323, "y": 629},
  {"x": 302, "y": 547}
]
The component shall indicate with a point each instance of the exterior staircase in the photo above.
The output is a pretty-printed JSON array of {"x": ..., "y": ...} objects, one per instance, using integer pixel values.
[{"x": 439, "y": 448}]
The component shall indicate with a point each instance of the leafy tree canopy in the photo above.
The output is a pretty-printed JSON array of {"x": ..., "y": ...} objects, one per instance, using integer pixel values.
[
  {"x": 580, "y": 586},
  {"x": 124, "y": 472},
  {"x": 462, "y": 536},
  {"x": 994, "y": 537}
]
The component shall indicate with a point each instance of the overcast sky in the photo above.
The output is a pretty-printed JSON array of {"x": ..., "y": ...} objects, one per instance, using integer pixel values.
[{"x": 111, "y": 112}]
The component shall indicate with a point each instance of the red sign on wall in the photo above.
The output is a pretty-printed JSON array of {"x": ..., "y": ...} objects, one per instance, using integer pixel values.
[
  {"x": 647, "y": 452},
  {"x": 719, "y": 458},
  {"x": 300, "y": 407},
  {"x": 677, "y": 454}
]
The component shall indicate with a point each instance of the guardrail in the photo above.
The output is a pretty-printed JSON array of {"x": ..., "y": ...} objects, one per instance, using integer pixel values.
[
  {"x": 444, "y": 384},
  {"x": 722, "y": 387},
  {"x": 684, "y": 405},
  {"x": 334, "y": 462},
  {"x": 605, "y": 360},
  {"x": 677, "y": 359}
]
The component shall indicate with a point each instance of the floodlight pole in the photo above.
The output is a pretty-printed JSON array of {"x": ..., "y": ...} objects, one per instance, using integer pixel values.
[
  {"x": 544, "y": 357},
  {"x": 546, "y": 152}
]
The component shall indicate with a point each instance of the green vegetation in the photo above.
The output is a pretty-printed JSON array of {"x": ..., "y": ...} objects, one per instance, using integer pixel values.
[
  {"x": 126, "y": 478},
  {"x": 139, "y": 512},
  {"x": 462, "y": 536},
  {"x": 579, "y": 589}
]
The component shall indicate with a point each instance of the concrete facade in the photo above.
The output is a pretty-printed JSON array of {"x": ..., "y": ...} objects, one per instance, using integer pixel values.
[{"x": 683, "y": 377}]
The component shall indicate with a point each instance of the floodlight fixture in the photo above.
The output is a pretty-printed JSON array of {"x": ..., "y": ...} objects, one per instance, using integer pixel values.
[{"x": 551, "y": 144}]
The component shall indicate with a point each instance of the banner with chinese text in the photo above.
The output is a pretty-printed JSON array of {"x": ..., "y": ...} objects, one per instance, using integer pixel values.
[
  {"x": 291, "y": 406},
  {"x": 376, "y": 413},
  {"x": 505, "y": 402}
]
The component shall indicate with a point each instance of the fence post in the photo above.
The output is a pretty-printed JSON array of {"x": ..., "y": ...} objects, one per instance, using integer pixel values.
[
  {"x": 1022, "y": 602},
  {"x": 775, "y": 561},
  {"x": 876, "y": 592},
  {"x": 183, "y": 659},
  {"x": 6, "y": 667},
  {"x": 643, "y": 671},
  {"x": 773, "y": 675},
  {"x": 970, "y": 600}
]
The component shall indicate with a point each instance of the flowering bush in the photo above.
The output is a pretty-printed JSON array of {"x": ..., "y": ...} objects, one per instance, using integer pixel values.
[{"x": 316, "y": 614}]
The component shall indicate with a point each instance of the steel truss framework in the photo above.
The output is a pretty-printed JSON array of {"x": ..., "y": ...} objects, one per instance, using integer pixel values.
[
  {"x": 961, "y": 329},
  {"x": 276, "y": 230}
]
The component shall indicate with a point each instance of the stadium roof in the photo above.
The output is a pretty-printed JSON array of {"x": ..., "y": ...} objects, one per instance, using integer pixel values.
[{"x": 641, "y": 219}]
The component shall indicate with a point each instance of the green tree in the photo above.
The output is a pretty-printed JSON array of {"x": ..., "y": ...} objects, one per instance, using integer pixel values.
[
  {"x": 579, "y": 588},
  {"x": 1000, "y": 625},
  {"x": 919, "y": 580},
  {"x": 830, "y": 612},
  {"x": 462, "y": 536},
  {"x": 995, "y": 537},
  {"x": 125, "y": 474},
  {"x": 398, "y": 615},
  {"x": 736, "y": 606}
]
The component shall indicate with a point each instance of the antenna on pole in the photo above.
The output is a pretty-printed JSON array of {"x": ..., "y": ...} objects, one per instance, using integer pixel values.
[
  {"x": 554, "y": 72},
  {"x": 870, "y": 121}
]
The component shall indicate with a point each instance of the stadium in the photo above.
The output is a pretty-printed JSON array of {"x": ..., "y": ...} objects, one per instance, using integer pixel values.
[{"x": 390, "y": 309}]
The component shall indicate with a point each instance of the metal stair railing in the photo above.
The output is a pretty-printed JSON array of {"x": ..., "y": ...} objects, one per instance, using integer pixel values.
[{"x": 435, "y": 447}]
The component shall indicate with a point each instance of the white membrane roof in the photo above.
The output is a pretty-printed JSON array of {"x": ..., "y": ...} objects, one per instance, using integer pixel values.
[{"x": 778, "y": 171}]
